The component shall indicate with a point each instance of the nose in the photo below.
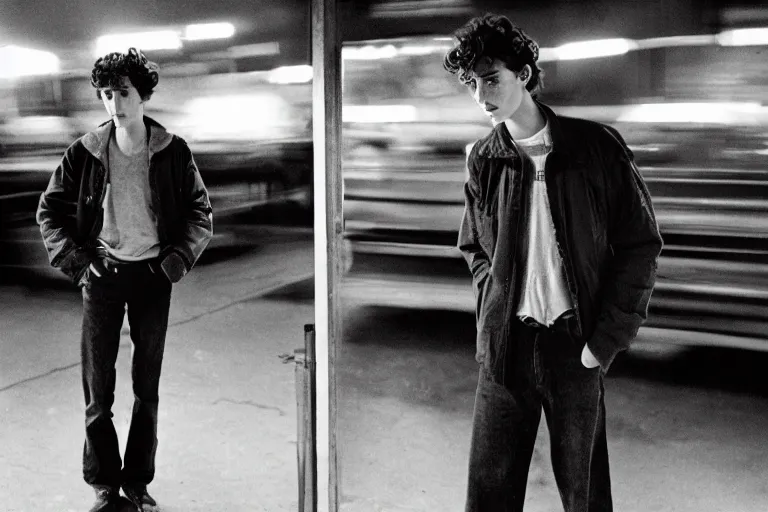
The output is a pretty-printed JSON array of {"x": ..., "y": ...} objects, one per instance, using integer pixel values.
[
  {"x": 479, "y": 94},
  {"x": 110, "y": 103}
]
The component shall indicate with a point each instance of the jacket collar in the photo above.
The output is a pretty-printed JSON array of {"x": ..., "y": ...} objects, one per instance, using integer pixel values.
[
  {"x": 97, "y": 141},
  {"x": 500, "y": 144}
]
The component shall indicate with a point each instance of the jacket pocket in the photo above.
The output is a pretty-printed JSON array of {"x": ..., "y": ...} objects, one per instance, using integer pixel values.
[
  {"x": 489, "y": 303},
  {"x": 486, "y": 233},
  {"x": 485, "y": 339},
  {"x": 491, "y": 352}
]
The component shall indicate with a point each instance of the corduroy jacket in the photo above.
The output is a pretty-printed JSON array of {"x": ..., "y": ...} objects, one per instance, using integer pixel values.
[
  {"x": 605, "y": 229},
  {"x": 70, "y": 212}
]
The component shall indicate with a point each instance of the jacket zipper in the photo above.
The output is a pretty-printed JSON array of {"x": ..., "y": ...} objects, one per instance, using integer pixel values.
[
  {"x": 155, "y": 203},
  {"x": 101, "y": 178},
  {"x": 520, "y": 215}
]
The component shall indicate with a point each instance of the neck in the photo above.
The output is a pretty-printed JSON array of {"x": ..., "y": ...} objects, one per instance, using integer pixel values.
[
  {"x": 132, "y": 133},
  {"x": 527, "y": 119},
  {"x": 130, "y": 138}
]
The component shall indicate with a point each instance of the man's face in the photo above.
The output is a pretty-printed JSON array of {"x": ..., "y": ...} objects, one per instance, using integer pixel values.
[
  {"x": 497, "y": 89},
  {"x": 123, "y": 103}
]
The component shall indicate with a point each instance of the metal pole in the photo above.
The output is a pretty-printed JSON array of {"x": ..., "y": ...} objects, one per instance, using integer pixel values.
[{"x": 326, "y": 135}]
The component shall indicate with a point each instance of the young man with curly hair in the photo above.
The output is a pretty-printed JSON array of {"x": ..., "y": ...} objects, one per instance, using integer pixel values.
[
  {"x": 125, "y": 215},
  {"x": 561, "y": 238}
]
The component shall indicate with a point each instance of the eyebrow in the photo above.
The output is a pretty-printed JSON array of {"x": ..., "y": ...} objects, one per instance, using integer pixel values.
[
  {"x": 487, "y": 74},
  {"x": 121, "y": 88}
]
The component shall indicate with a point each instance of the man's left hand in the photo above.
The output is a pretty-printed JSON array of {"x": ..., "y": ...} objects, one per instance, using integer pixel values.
[
  {"x": 588, "y": 359},
  {"x": 173, "y": 267}
]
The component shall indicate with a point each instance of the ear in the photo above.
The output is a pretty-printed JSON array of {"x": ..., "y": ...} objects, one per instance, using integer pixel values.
[{"x": 525, "y": 74}]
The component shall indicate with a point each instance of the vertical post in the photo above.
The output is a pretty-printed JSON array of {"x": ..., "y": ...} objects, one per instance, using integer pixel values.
[
  {"x": 300, "y": 374},
  {"x": 326, "y": 134},
  {"x": 301, "y": 434},
  {"x": 306, "y": 406}
]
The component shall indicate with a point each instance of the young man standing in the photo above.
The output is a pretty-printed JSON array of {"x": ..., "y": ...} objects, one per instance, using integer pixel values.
[
  {"x": 562, "y": 242},
  {"x": 124, "y": 215}
]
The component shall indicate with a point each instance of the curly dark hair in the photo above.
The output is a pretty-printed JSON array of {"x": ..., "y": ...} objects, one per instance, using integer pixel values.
[
  {"x": 494, "y": 36},
  {"x": 109, "y": 70}
]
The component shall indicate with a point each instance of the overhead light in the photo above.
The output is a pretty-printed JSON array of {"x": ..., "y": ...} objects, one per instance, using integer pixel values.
[
  {"x": 203, "y": 31},
  {"x": 153, "y": 40},
  {"x": 743, "y": 37},
  {"x": 291, "y": 75},
  {"x": 16, "y": 61},
  {"x": 596, "y": 48}
]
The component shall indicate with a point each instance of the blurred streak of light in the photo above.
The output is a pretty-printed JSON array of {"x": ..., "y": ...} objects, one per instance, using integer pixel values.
[
  {"x": 151, "y": 40},
  {"x": 743, "y": 37},
  {"x": 677, "y": 41},
  {"x": 283, "y": 75},
  {"x": 569, "y": 51},
  {"x": 255, "y": 49},
  {"x": 369, "y": 52},
  {"x": 422, "y": 49},
  {"x": 241, "y": 51},
  {"x": 379, "y": 114},
  {"x": 238, "y": 117},
  {"x": 203, "y": 31},
  {"x": 16, "y": 61},
  {"x": 595, "y": 48},
  {"x": 706, "y": 113}
]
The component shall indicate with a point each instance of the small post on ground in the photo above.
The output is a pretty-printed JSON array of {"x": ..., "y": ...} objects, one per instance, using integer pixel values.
[{"x": 306, "y": 392}]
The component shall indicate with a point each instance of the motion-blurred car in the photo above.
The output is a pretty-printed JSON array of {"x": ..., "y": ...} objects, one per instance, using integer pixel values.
[
  {"x": 251, "y": 140},
  {"x": 692, "y": 115}
]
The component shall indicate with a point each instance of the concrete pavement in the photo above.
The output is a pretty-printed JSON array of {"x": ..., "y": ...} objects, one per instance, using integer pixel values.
[
  {"x": 227, "y": 427},
  {"x": 686, "y": 427}
]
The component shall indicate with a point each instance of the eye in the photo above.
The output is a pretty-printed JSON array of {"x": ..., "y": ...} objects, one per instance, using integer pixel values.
[
  {"x": 124, "y": 94},
  {"x": 471, "y": 83},
  {"x": 492, "y": 81},
  {"x": 107, "y": 94}
]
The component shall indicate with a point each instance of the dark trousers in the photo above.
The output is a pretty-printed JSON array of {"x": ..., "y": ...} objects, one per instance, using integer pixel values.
[
  {"x": 146, "y": 296},
  {"x": 540, "y": 368}
]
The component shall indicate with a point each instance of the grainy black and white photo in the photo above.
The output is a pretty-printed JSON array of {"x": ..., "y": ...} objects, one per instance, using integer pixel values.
[
  {"x": 383, "y": 256},
  {"x": 509, "y": 180},
  {"x": 155, "y": 174}
]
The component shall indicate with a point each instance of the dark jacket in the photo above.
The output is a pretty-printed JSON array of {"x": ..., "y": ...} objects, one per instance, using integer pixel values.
[
  {"x": 605, "y": 229},
  {"x": 70, "y": 212}
]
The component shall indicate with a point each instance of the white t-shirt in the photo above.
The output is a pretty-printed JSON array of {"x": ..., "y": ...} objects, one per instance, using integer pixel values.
[
  {"x": 545, "y": 295},
  {"x": 129, "y": 232}
]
